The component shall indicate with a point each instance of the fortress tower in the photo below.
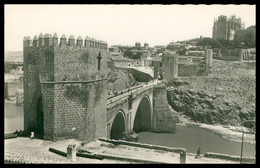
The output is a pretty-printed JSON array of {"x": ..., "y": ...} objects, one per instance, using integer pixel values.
[{"x": 65, "y": 90}]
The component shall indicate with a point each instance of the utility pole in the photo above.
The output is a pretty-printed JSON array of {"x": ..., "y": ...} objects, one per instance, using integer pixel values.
[
  {"x": 242, "y": 143},
  {"x": 242, "y": 148}
]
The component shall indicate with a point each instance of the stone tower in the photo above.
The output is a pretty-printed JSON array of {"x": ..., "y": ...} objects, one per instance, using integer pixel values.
[
  {"x": 65, "y": 87},
  {"x": 224, "y": 28}
]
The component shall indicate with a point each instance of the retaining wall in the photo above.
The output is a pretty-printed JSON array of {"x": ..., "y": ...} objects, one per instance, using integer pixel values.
[{"x": 228, "y": 157}]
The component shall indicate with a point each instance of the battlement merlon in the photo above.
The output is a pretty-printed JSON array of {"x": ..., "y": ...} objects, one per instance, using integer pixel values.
[{"x": 49, "y": 40}]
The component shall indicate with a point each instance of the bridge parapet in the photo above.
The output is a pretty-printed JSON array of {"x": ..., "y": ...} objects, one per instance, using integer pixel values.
[{"x": 135, "y": 90}]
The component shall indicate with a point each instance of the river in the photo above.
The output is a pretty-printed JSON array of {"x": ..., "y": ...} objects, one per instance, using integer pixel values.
[
  {"x": 185, "y": 137},
  {"x": 13, "y": 117},
  {"x": 192, "y": 138}
]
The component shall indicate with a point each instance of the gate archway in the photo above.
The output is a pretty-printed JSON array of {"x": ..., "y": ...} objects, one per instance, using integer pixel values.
[
  {"x": 143, "y": 119},
  {"x": 118, "y": 126}
]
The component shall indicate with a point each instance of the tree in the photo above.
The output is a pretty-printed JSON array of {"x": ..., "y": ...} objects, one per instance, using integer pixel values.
[
  {"x": 182, "y": 51},
  {"x": 129, "y": 54},
  {"x": 248, "y": 40},
  {"x": 206, "y": 41}
]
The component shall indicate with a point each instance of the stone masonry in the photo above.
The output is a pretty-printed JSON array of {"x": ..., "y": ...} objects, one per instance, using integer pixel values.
[
  {"x": 65, "y": 87},
  {"x": 163, "y": 119}
]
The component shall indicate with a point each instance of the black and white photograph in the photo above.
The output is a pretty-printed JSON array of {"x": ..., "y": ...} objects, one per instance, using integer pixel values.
[{"x": 129, "y": 84}]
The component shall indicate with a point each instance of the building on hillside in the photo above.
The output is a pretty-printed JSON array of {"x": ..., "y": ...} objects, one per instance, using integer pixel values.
[
  {"x": 116, "y": 54},
  {"x": 149, "y": 61},
  {"x": 196, "y": 53},
  {"x": 138, "y": 45},
  {"x": 159, "y": 48},
  {"x": 143, "y": 59},
  {"x": 146, "y": 45},
  {"x": 13, "y": 66},
  {"x": 120, "y": 62},
  {"x": 173, "y": 65},
  {"x": 114, "y": 49},
  {"x": 224, "y": 28}
]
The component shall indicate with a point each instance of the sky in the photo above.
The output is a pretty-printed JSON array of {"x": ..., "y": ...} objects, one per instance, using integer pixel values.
[{"x": 118, "y": 24}]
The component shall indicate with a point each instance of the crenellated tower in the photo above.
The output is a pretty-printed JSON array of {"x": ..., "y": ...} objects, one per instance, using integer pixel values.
[{"x": 65, "y": 87}]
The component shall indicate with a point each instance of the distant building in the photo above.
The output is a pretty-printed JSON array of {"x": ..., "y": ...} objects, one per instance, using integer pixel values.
[
  {"x": 138, "y": 45},
  {"x": 114, "y": 62},
  {"x": 146, "y": 45},
  {"x": 149, "y": 61},
  {"x": 143, "y": 59},
  {"x": 224, "y": 28},
  {"x": 121, "y": 54},
  {"x": 113, "y": 49},
  {"x": 159, "y": 48}
]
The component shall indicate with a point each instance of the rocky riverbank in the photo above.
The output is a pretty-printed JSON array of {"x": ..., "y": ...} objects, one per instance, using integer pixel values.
[{"x": 223, "y": 101}]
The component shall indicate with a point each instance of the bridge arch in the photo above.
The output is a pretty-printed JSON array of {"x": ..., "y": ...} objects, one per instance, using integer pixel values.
[
  {"x": 118, "y": 125},
  {"x": 143, "y": 115}
]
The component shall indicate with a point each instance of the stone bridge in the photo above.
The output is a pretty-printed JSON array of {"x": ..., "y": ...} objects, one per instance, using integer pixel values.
[
  {"x": 65, "y": 93},
  {"x": 139, "y": 108}
]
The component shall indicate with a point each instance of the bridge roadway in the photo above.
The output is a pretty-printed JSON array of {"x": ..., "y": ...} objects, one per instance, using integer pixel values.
[{"x": 126, "y": 92}]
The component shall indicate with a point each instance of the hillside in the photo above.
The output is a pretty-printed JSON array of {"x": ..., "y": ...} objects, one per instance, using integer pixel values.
[
  {"x": 119, "y": 80},
  {"x": 13, "y": 56},
  {"x": 226, "y": 96}
]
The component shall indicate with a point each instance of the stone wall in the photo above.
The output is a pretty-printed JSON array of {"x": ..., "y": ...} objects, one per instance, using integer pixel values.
[
  {"x": 195, "y": 66},
  {"x": 32, "y": 89},
  {"x": 170, "y": 67},
  {"x": 229, "y": 157},
  {"x": 48, "y": 109},
  {"x": 163, "y": 119},
  {"x": 236, "y": 54},
  {"x": 112, "y": 111},
  {"x": 79, "y": 64},
  {"x": 231, "y": 54},
  {"x": 79, "y": 111}
]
